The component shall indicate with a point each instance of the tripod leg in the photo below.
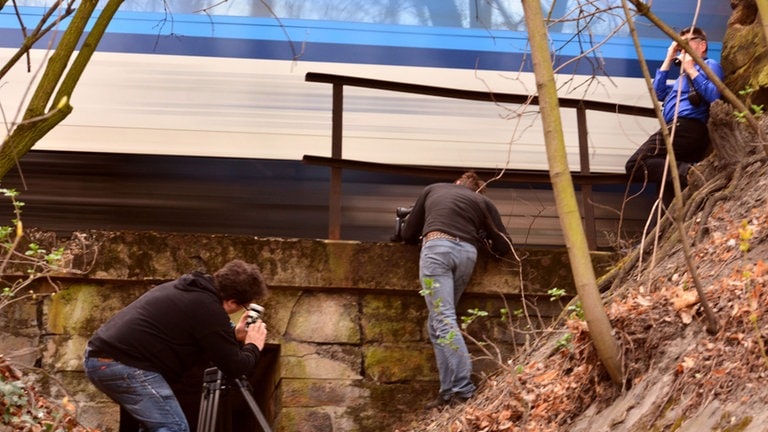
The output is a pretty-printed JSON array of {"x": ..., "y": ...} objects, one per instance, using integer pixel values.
[
  {"x": 205, "y": 407},
  {"x": 209, "y": 401},
  {"x": 245, "y": 389}
]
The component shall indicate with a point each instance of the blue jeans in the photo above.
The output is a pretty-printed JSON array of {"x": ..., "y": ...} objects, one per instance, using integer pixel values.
[
  {"x": 445, "y": 267},
  {"x": 144, "y": 394}
]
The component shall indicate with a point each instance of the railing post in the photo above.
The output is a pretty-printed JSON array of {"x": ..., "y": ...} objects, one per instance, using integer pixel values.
[
  {"x": 334, "y": 200},
  {"x": 590, "y": 228}
]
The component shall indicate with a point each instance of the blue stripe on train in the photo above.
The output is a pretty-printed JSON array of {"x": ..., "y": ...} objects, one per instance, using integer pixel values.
[{"x": 346, "y": 42}]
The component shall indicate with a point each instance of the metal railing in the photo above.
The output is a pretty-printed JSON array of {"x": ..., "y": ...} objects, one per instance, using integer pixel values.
[{"x": 584, "y": 178}]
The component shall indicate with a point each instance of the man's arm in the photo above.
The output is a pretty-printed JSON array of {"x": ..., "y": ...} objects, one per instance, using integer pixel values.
[
  {"x": 501, "y": 243},
  {"x": 701, "y": 82},
  {"x": 415, "y": 221}
]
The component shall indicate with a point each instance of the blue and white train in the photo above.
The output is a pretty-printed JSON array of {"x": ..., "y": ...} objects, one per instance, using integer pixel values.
[
  {"x": 230, "y": 82},
  {"x": 176, "y": 78}
]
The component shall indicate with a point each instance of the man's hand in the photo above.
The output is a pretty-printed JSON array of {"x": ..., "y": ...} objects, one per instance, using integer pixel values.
[
  {"x": 689, "y": 65},
  {"x": 672, "y": 52},
  {"x": 256, "y": 334},
  {"x": 240, "y": 331}
]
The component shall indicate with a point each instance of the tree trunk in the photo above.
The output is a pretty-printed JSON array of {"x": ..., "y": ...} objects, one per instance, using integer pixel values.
[
  {"x": 44, "y": 112},
  {"x": 565, "y": 196}
]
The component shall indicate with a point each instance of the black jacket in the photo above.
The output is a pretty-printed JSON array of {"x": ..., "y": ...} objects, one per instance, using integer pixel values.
[
  {"x": 173, "y": 327},
  {"x": 457, "y": 210}
]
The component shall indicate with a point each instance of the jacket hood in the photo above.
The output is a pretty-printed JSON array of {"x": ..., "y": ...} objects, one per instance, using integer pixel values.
[{"x": 197, "y": 281}]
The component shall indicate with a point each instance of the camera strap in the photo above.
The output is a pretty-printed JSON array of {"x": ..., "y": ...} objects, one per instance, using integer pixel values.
[{"x": 691, "y": 88}]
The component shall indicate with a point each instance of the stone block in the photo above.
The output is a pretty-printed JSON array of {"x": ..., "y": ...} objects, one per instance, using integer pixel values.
[
  {"x": 101, "y": 416},
  {"x": 303, "y": 263},
  {"x": 303, "y": 360},
  {"x": 278, "y": 309},
  {"x": 325, "y": 318},
  {"x": 316, "y": 393},
  {"x": 390, "y": 403},
  {"x": 20, "y": 350},
  {"x": 80, "y": 309},
  {"x": 20, "y": 318},
  {"x": 389, "y": 363},
  {"x": 64, "y": 353},
  {"x": 305, "y": 420},
  {"x": 393, "y": 318}
]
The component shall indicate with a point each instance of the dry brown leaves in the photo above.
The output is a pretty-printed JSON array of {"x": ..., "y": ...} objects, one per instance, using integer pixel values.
[{"x": 649, "y": 315}]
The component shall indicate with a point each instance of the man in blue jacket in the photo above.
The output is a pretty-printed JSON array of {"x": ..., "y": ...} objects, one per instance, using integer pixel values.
[
  {"x": 451, "y": 220},
  {"x": 689, "y": 114},
  {"x": 137, "y": 355}
]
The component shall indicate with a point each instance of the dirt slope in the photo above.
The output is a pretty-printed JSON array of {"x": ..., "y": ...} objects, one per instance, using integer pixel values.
[{"x": 679, "y": 377}]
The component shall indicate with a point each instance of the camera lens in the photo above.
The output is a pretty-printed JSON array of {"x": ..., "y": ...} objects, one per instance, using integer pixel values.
[
  {"x": 254, "y": 313},
  {"x": 677, "y": 61}
]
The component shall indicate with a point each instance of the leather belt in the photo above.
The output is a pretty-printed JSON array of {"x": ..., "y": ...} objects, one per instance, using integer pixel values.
[
  {"x": 432, "y": 235},
  {"x": 99, "y": 356}
]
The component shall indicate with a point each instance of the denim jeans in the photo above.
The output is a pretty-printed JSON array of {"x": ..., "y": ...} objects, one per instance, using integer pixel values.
[
  {"x": 445, "y": 267},
  {"x": 144, "y": 394}
]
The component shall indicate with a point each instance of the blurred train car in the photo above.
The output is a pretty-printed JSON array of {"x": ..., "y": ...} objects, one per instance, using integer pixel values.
[{"x": 197, "y": 120}]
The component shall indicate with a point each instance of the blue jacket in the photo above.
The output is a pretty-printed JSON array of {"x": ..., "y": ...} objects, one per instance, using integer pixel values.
[{"x": 704, "y": 87}]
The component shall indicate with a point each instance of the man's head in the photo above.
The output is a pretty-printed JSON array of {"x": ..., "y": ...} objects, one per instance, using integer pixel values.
[
  {"x": 240, "y": 282},
  {"x": 471, "y": 180},
  {"x": 696, "y": 38}
]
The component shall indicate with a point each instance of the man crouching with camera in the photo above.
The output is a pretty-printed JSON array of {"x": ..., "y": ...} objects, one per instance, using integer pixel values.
[
  {"x": 156, "y": 339},
  {"x": 689, "y": 114}
]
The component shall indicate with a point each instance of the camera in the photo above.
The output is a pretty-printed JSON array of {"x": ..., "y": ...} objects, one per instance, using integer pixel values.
[
  {"x": 403, "y": 212},
  {"x": 254, "y": 313},
  {"x": 676, "y": 61},
  {"x": 694, "y": 98},
  {"x": 400, "y": 214}
]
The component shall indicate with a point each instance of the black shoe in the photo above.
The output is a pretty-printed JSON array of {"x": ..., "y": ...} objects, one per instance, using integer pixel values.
[
  {"x": 458, "y": 400},
  {"x": 439, "y": 402}
]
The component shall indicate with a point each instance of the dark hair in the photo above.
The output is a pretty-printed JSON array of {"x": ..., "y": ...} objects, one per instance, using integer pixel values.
[
  {"x": 695, "y": 32},
  {"x": 472, "y": 181},
  {"x": 240, "y": 281}
]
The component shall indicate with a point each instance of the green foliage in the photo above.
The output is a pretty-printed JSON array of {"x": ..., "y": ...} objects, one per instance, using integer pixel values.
[
  {"x": 20, "y": 266},
  {"x": 13, "y": 393},
  {"x": 575, "y": 311},
  {"x": 556, "y": 293},
  {"x": 746, "y": 91},
  {"x": 473, "y": 315},
  {"x": 14, "y": 400},
  {"x": 428, "y": 287},
  {"x": 757, "y": 110},
  {"x": 449, "y": 339},
  {"x": 35, "y": 261},
  {"x": 437, "y": 304},
  {"x": 564, "y": 342},
  {"x": 22, "y": 412}
]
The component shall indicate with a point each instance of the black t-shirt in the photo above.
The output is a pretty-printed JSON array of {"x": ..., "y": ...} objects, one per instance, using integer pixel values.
[{"x": 457, "y": 210}]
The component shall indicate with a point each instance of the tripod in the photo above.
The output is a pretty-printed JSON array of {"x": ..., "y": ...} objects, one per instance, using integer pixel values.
[{"x": 214, "y": 383}]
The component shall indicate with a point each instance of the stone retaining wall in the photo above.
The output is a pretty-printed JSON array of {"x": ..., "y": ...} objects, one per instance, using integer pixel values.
[{"x": 347, "y": 341}]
